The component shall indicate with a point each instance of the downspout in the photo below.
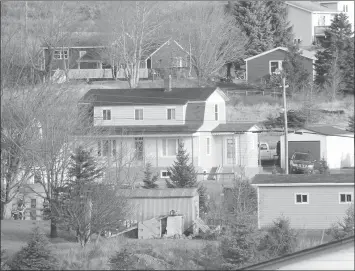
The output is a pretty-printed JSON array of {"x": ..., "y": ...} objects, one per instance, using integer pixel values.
[{"x": 192, "y": 149}]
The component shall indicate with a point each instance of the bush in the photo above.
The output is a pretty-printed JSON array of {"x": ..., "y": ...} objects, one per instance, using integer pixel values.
[
  {"x": 295, "y": 119},
  {"x": 123, "y": 260},
  {"x": 4, "y": 265},
  {"x": 344, "y": 228},
  {"x": 36, "y": 255},
  {"x": 279, "y": 239}
]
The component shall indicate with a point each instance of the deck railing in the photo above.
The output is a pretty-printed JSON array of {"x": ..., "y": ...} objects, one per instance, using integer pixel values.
[{"x": 89, "y": 73}]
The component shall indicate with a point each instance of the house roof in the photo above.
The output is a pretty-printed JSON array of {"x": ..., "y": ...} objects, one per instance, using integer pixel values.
[
  {"x": 146, "y": 96},
  {"x": 282, "y": 263},
  {"x": 305, "y": 53},
  {"x": 327, "y": 130},
  {"x": 302, "y": 179},
  {"x": 91, "y": 56},
  {"x": 161, "y": 46},
  {"x": 159, "y": 193},
  {"x": 83, "y": 39},
  {"x": 236, "y": 127},
  {"x": 309, "y": 6}
]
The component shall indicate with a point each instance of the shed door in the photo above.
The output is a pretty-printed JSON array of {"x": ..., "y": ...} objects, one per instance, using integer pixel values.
[{"x": 313, "y": 147}]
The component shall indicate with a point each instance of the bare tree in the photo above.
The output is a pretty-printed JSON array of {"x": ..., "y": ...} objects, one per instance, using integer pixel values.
[
  {"x": 19, "y": 132},
  {"x": 133, "y": 33},
  {"x": 212, "y": 38}
]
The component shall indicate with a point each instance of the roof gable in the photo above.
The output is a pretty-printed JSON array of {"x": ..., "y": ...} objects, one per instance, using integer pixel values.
[
  {"x": 164, "y": 44},
  {"x": 326, "y": 130},
  {"x": 304, "y": 53},
  {"x": 309, "y": 6}
]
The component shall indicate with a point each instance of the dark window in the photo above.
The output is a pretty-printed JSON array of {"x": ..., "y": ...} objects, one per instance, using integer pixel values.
[
  {"x": 139, "y": 148},
  {"x": 345, "y": 198},
  {"x": 342, "y": 197},
  {"x": 106, "y": 114},
  {"x": 105, "y": 151},
  {"x": 298, "y": 198},
  {"x": 304, "y": 198},
  {"x": 301, "y": 198},
  {"x": 348, "y": 198}
]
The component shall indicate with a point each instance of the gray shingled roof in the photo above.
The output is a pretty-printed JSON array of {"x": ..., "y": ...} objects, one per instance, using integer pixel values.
[
  {"x": 146, "y": 96},
  {"x": 327, "y": 130},
  {"x": 302, "y": 178},
  {"x": 159, "y": 193},
  {"x": 236, "y": 127},
  {"x": 309, "y": 6}
]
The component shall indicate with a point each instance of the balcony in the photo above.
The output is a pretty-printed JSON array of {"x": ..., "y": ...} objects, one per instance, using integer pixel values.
[{"x": 320, "y": 30}]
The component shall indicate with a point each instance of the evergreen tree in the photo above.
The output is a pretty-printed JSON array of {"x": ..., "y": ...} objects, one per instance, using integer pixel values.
[
  {"x": 335, "y": 61},
  {"x": 297, "y": 76},
  {"x": 351, "y": 124},
  {"x": 280, "y": 27},
  {"x": 254, "y": 20},
  {"x": 184, "y": 175},
  {"x": 149, "y": 181}
]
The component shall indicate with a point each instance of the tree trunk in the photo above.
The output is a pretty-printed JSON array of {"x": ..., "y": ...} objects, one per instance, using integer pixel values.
[
  {"x": 54, "y": 232},
  {"x": 3, "y": 210}
]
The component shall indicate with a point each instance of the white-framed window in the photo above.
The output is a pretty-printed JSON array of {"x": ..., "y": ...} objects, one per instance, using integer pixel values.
[
  {"x": 138, "y": 114},
  {"x": 106, "y": 148},
  {"x": 301, "y": 198},
  {"x": 345, "y": 8},
  {"x": 170, "y": 146},
  {"x": 170, "y": 113},
  {"x": 61, "y": 54},
  {"x": 82, "y": 53},
  {"x": 345, "y": 197},
  {"x": 297, "y": 41},
  {"x": 139, "y": 148},
  {"x": 208, "y": 145},
  {"x": 165, "y": 174},
  {"x": 106, "y": 114},
  {"x": 275, "y": 66},
  {"x": 216, "y": 112}
]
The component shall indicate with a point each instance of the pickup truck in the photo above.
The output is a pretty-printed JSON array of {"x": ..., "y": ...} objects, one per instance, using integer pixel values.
[{"x": 267, "y": 153}]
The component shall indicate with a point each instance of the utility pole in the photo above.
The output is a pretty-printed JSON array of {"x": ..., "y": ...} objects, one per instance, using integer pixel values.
[{"x": 285, "y": 121}]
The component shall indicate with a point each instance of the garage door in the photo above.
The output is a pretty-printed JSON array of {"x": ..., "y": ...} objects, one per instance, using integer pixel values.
[{"x": 313, "y": 147}]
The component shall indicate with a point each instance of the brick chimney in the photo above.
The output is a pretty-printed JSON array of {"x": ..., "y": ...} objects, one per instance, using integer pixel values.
[{"x": 167, "y": 83}]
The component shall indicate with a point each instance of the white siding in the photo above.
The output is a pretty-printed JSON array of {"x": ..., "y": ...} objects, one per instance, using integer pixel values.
[
  {"x": 340, "y": 151},
  {"x": 152, "y": 115},
  {"x": 323, "y": 208},
  {"x": 303, "y": 137},
  {"x": 208, "y": 161},
  {"x": 209, "y": 118}
]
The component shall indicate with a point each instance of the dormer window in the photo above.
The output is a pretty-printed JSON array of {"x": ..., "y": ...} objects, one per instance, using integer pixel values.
[
  {"x": 216, "y": 112},
  {"x": 170, "y": 113},
  {"x": 138, "y": 114},
  {"x": 106, "y": 114}
]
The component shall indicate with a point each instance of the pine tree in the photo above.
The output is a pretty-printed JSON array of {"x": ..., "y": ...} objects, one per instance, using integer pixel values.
[
  {"x": 149, "y": 181},
  {"x": 297, "y": 76},
  {"x": 184, "y": 175},
  {"x": 335, "y": 61},
  {"x": 280, "y": 27},
  {"x": 351, "y": 125}
]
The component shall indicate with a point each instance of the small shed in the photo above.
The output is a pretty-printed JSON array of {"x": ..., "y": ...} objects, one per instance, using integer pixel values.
[
  {"x": 267, "y": 63},
  {"x": 309, "y": 201},
  {"x": 335, "y": 145},
  {"x": 153, "y": 203}
]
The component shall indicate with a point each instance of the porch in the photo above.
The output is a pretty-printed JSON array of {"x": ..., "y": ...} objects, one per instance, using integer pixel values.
[{"x": 89, "y": 73}]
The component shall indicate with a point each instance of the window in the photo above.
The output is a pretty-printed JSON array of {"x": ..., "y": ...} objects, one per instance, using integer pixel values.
[
  {"x": 230, "y": 150},
  {"x": 138, "y": 114},
  {"x": 216, "y": 112},
  {"x": 164, "y": 174},
  {"x": 106, "y": 148},
  {"x": 139, "y": 148},
  {"x": 302, "y": 198},
  {"x": 208, "y": 146},
  {"x": 345, "y": 8},
  {"x": 321, "y": 20},
  {"x": 275, "y": 66},
  {"x": 263, "y": 147},
  {"x": 171, "y": 113},
  {"x": 297, "y": 41},
  {"x": 61, "y": 54},
  {"x": 82, "y": 53},
  {"x": 170, "y": 147},
  {"x": 106, "y": 114},
  {"x": 345, "y": 197}
]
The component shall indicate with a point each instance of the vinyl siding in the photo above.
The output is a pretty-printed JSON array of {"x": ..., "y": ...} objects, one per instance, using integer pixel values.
[
  {"x": 258, "y": 67},
  {"x": 323, "y": 208},
  {"x": 301, "y": 21},
  {"x": 209, "y": 118},
  {"x": 210, "y": 160},
  {"x": 152, "y": 115},
  {"x": 340, "y": 151}
]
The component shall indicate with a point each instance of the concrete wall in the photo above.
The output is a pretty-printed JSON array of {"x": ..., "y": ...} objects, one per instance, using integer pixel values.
[{"x": 323, "y": 208}]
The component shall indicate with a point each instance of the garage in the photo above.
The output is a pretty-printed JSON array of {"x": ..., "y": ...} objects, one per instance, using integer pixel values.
[
  {"x": 335, "y": 145},
  {"x": 313, "y": 147}
]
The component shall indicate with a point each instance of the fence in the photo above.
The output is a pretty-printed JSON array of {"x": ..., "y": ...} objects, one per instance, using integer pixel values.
[{"x": 231, "y": 93}]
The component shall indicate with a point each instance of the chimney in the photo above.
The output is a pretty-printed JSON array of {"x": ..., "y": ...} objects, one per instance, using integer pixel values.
[{"x": 167, "y": 83}]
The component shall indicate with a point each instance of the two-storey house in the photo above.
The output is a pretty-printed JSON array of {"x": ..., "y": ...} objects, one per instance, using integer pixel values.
[
  {"x": 309, "y": 20},
  {"x": 146, "y": 125}
]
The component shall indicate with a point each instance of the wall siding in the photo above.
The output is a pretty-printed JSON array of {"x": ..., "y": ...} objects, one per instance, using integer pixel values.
[
  {"x": 340, "y": 151},
  {"x": 259, "y": 67},
  {"x": 301, "y": 21},
  {"x": 209, "y": 117},
  {"x": 323, "y": 208},
  {"x": 152, "y": 115}
]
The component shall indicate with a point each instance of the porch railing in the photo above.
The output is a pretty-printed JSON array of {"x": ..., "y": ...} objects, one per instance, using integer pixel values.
[{"x": 89, "y": 73}]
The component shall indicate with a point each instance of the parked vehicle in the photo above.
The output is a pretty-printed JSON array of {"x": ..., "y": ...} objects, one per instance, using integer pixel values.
[
  {"x": 267, "y": 153},
  {"x": 302, "y": 163}
]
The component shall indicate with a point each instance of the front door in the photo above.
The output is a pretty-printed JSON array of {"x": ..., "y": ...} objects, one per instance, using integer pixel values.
[{"x": 230, "y": 151}]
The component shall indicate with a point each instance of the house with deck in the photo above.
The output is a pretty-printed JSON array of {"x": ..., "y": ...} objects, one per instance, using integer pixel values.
[
  {"x": 308, "y": 201},
  {"x": 146, "y": 125},
  {"x": 260, "y": 66},
  {"x": 309, "y": 20}
]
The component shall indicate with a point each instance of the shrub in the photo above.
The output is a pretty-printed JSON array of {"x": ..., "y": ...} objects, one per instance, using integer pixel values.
[
  {"x": 36, "y": 255},
  {"x": 280, "y": 239},
  {"x": 344, "y": 228},
  {"x": 295, "y": 119},
  {"x": 123, "y": 260},
  {"x": 4, "y": 265}
]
